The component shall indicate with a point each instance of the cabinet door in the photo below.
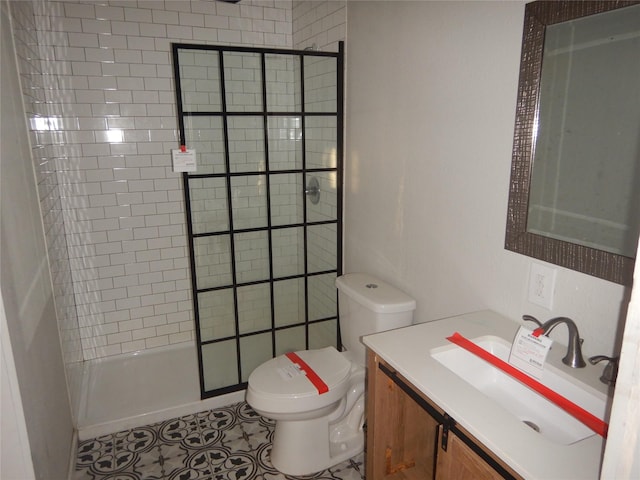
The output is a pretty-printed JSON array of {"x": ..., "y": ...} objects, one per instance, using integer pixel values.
[
  {"x": 401, "y": 435},
  {"x": 459, "y": 462}
]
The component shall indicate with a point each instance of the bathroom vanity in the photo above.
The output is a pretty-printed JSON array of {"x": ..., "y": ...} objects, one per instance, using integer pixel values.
[{"x": 426, "y": 421}]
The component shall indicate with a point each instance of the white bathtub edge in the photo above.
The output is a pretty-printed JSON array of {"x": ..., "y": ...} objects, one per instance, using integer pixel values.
[{"x": 87, "y": 432}]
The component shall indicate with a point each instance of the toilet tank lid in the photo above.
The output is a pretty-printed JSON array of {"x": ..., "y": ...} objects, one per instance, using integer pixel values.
[{"x": 374, "y": 294}]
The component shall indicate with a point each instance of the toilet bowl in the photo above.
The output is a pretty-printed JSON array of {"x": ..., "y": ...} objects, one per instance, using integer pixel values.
[{"x": 316, "y": 396}]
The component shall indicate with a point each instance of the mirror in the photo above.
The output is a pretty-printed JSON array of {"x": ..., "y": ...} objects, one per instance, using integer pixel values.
[{"x": 575, "y": 173}]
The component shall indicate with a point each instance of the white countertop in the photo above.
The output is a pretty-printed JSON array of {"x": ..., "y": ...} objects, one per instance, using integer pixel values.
[{"x": 530, "y": 454}]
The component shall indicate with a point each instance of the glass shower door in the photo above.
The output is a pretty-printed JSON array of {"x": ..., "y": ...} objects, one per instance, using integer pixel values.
[{"x": 264, "y": 206}]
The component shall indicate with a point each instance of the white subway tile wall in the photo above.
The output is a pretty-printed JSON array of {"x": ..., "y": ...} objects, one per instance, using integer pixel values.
[
  {"x": 98, "y": 85},
  {"x": 319, "y": 23},
  {"x": 47, "y": 140}
]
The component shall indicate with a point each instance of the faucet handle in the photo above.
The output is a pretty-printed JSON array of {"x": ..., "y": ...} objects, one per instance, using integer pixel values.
[
  {"x": 531, "y": 318},
  {"x": 610, "y": 371}
]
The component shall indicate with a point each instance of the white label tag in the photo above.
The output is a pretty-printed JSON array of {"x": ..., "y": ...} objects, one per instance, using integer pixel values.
[
  {"x": 528, "y": 352},
  {"x": 291, "y": 371},
  {"x": 184, "y": 161}
]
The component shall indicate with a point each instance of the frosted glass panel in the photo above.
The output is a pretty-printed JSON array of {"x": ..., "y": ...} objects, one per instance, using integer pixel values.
[
  {"x": 288, "y": 252},
  {"x": 205, "y": 136},
  {"x": 321, "y": 142},
  {"x": 215, "y": 310},
  {"x": 213, "y": 261},
  {"x": 246, "y": 144},
  {"x": 327, "y": 207},
  {"x": 219, "y": 366},
  {"x": 209, "y": 210},
  {"x": 322, "y": 296},
  {"x": 286, "y": 198},
  {"x": 288, "y": 299},
  {"x": 290, "y": 340},
  {"x": 323, "y": 334},
  {"x": 283, "y": 83},
  {"x": 285, "y": 143},
  {"x": 264, "y": 257},
  {"x": 321, "y": 248},
  {"x": 249, "y": 197},
  {"x": 254, "y": 308},
  {"x": 200, "y": 80},
  {"x": 243, "y": 81},
  {"x": 255, "y": 350},
  {"x": 320, "y": 81},
  {"x": 252, "y": 256}
]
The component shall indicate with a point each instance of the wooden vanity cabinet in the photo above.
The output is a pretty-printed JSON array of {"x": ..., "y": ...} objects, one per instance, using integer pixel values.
[
  {"x": 409, "y": 437},
  {"x": 460, "y": 462},
  {"x": 401, "y": 435}
]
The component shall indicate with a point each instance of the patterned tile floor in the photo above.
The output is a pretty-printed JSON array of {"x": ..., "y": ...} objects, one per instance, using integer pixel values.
[{"x": 229, "y": 443}]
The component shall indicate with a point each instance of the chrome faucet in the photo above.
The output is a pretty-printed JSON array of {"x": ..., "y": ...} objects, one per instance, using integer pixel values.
[{"x": 573, "y": 358}]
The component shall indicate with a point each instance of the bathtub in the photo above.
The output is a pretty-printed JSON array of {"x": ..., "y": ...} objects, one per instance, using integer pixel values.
[{"x": 126, "y": 391}]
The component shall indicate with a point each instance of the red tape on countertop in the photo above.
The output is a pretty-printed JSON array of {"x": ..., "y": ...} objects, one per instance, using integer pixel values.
[
  {"x": 309, "y": 372},
  {"x": 590, "y": 420}
]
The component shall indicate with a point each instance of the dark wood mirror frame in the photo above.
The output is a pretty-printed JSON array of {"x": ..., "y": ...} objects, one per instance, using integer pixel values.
[{"x": 598, "y": 263}]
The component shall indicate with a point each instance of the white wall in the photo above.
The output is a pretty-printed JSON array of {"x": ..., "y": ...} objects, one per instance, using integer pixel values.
[
  {"x": 15, "y": 452},
  {"x": 621, "y": 459},
  {"x": 431, "y": 92},
  {"x": 25, "y": 283}
]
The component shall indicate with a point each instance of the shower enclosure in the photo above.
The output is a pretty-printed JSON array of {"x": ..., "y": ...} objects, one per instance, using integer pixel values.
[{"x": 264, "y": 205}]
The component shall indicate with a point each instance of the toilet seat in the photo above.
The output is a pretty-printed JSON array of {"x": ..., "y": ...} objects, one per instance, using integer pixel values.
[{"x": 280, "y": 385}]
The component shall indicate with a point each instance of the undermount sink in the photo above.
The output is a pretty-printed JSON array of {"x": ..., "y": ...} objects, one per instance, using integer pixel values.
[{"x": 528, "y": 406}]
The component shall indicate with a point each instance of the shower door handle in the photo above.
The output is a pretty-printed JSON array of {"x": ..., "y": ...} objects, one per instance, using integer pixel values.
[{"x": 313, "y": 190}]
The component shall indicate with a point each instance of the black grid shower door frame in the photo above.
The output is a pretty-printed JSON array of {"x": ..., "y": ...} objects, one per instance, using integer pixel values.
[{"x": 228, "y": 175}]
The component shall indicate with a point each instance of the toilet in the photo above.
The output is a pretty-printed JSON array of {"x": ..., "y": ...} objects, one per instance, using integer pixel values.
[{"x": 316, "y": 396}]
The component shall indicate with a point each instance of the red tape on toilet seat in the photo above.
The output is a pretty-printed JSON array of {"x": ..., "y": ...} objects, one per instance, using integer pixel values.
[{"x": 309, "y": 372}]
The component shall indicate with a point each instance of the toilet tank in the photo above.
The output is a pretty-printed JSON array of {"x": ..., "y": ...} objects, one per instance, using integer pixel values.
[{"x": 369, "y": 305}]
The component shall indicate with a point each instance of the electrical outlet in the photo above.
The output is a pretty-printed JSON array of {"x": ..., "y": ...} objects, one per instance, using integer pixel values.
[{"x": 542, "y": 284}]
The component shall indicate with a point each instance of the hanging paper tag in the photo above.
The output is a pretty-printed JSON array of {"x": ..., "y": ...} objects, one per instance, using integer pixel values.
[
  {"x": 184, "y": 160},
  {"x": 529, "y": 352}
]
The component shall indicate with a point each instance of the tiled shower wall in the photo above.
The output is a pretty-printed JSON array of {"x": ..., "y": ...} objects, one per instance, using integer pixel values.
[
  {"x": 105, "y": 123},
  {"x": 320, "y": 23},
  {"x": 44, "y": 121}
]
